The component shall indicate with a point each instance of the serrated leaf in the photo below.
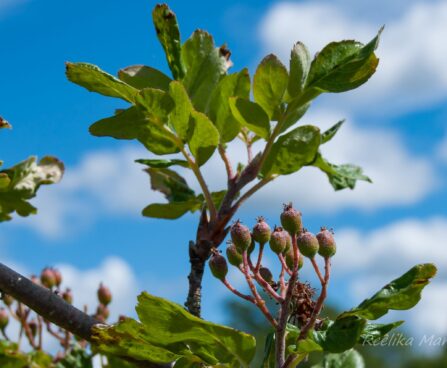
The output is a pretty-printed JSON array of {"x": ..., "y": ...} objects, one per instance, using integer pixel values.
[
  {"x": 330, "y": 133},
  {"x": 292, "y": 116},
  {"x": 400, "y": 294},
  {"x": 341, "y": 176},
  {"x": 159, "y": 163},
  {"x": 347, "y": 359},
  {"x": 342, "y": 66},
  {"x": 167, "y": 29},
  {"x": 171, "y": 184},
  {"x": 20, "y": 183},
  {"x": 232, "y": 85},
  {"x": 203, "y": 137},
  {"x": 171, "y": 211},
  {"x": 141, "y": 76},
  {"x": 179, "y": 117},
  {"x": 292, "y": 151},
  {"x": 299, "y": 69},
  {"x": 269, "y": 85},
  {"x": 205, "y": 65},
  {"x": 167, "y": 332},
  {"x": 96, "y": 80},
  {"x": 251, "y": 115}
]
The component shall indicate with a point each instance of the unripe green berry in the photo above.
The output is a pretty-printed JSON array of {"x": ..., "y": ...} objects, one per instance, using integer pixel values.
[
  {"x": 326, "y": 242},
  {"x": 261, "y": 231},
  {"x": 4, "y": 318},
  {"x": 289, "y": 260},
  {"x": 67, "y": 295},
  {"x": 218, "y": 266},
  {"x": 8, "y": 300},
  {"x": 233, "y": 256},
  {"x": 278, "y": 240},
  {"x": 48, "y": 278},
  {"x": 240, "y": 234},
  {"x": 291, "y": 219},
  {"x": 288, "y": 243},
  {"x": 266, "y": 274},
  {"x": 308, "y": 244},
  {"x": 104, "y": 295},
  {"x": 251, "y": 247}
]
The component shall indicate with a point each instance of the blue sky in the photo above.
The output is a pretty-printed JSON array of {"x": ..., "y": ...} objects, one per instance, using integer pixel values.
[{"x": 90, "y": 224}]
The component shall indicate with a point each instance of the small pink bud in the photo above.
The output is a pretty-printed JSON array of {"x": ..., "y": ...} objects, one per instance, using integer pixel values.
[{"x": 104, "y": 295}]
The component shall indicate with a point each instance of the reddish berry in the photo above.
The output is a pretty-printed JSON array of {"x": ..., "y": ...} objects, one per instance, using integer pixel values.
[
  {"x": 233, "y": 256},
  {"x": 104, "y": 294},
  {"x": 326, "y": 242},
  {"x": 240, "y": 234},
  {"x": 261, "y": 231},
  {"x": 278, "y": 240},
  {"x": 58, "y": 277},
  {"x": 103, "y": 311},
  {"x": 4, "y": 318},
  {"x": 218, "y": 266},
  {"x": 48, "y": 278},
  {"x": 291, "y": 219},
  {"x": 308, "y": 244},
  {"x": 288, "y": 243}
]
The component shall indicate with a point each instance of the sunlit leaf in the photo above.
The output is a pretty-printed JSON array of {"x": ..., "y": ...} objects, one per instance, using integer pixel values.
[
  {"x": 269, "y": 85},
  {"x": 203, "y": 137},
  {"x": 141, "y": 76},
  {"x": 299, "y": 69},
  {"x": 251, "y": 115},
  {"x": 168, "y": 34},
  {"x": 94, "y": 79}
]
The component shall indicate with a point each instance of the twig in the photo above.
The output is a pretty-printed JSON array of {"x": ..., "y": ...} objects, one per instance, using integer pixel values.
[
  {"x": 317, "y": 270},
  {"x": 258, "y": 263},
  {"x": 226, "y": 160},
  {"x": 236, "y": 292},
  {"x": 284, "y": 264},
  {"x": 260, "y": 303},
  {"x": 253, "y": 190}
]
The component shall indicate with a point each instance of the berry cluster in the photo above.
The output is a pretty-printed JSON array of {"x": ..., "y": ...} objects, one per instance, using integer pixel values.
[
  {"x": 33, "y": 326},
  {"x": 292, "y": 244}
]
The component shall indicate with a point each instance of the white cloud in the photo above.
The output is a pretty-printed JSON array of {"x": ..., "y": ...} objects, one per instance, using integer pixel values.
[
  {"x": 104, "y": 182},
  {"x": 412, "y": 71}
]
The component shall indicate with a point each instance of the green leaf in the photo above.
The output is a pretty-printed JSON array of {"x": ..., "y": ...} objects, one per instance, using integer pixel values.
[
  {"x": 205, "y": 65},
  {"x": 166, "y": 26},
  {"x": 167, "y": 332},
  {"x": 347, "y": 359},
  {"x": 400, "y": 294},
  {"x": 341, "y": 335},
  {"x": 160, "y": 164},
  {"x": 21, "y": 182},
  {"x": 179, "y": 117},
  {"x": 374, "y": 332},
  {"x": 134, "y": 123},
  {"x": 292, "y": 151},
  {"x": 203, "y": 137},
  {"x": 341, "y": 176},
  {"x": 251, "y": 115},
  {"x": 171, "y": 184},
  {"x": 292, "y": 116},
  {"x": 342, "y": 66},
  {"x": 173, "y": 210},
  {"x": 156, "y": 103},
  {"x": 232, "y": 85},
  {"x": 141, "y": 76},
  {"x": 94, "y": 79},
  {"x": 299, "y": 69},
  {"x": 330, "y": 133},
  {"x": 269, "y": 84},
  {"x": 76, "y": 358}
]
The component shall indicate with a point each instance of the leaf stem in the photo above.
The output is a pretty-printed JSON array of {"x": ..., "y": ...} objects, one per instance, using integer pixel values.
[
  {"x": 226, "y": 160},
  {"x": 196, "y": 170},
  {"x": 238, "y": 293}
]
